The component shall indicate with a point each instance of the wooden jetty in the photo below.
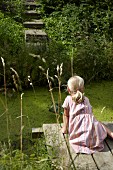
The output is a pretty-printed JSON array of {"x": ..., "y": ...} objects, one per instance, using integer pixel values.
[{"x": 63, "y": 156}]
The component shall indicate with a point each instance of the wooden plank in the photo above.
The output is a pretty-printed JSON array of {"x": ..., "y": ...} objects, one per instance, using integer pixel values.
[
  {"x": 55, "y": 139},
  {"x": 104, "y": 159},
  {"x": 100, "y": 160},
  {"x": 109, "y": 140},
  {"x": 56, "y": 145},
  {"x": 82, "y": 161},
  {"x": 58, "y": 150}
]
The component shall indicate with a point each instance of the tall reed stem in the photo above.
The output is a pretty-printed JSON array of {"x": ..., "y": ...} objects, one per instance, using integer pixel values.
[
  {"x": 59, "y": 73},
  {"x": 21, "y": 126},
  {"x": 59, "y": 93},
  {"x": 52, "y": 97},
  {"x": 6, "y": 106}
]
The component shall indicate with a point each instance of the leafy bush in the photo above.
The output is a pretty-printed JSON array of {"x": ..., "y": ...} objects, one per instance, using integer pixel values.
[
  {"x": 90, "y": 61},
  {"x": 37, "y": 158},
  {"x": 50, "y": 6},
  {"x": 12, "y": 46},
  {"x": 86, "y": 30},
  {"x": 13, "y": 8}
]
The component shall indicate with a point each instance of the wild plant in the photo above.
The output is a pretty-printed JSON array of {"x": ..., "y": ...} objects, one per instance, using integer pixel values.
[
  {"x": 6, "y": 105},
  {"x": 16, "y": 80},
  {"x": 21, "y": 125},
  {"x": 58, "y": 76},
  {"x": 51, "y": 92},
  {"x": 17, "y": 84},
  {"x": 50, "y": 80},
  {"x": 31, "y": 84}
]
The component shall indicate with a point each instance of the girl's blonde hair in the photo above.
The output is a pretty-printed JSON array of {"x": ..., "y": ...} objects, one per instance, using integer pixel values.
[{"x": 76, "y": 88}]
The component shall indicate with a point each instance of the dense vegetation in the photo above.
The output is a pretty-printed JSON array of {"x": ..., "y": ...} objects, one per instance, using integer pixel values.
[
  {"x": 80, "y": 35},
  {"x": 87, "y": 28}
]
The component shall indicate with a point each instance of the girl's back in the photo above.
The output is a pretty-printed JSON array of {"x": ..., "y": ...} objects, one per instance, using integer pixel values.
[{"x": 85, "y": 132}]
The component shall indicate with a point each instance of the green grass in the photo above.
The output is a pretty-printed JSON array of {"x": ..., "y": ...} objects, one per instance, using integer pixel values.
[
  {"x": 36, "y": 110},
  {"x": 101, "y": 95}
]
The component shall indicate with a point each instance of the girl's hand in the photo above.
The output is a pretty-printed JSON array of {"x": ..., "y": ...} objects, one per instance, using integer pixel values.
[{"x": 64, "y": 130}]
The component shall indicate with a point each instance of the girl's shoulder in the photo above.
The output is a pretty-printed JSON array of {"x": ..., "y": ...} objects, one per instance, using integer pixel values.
[
  {"x": 67, "y": 101},
  {"x": 86, "y": 100},
  {"x": 68, "y": 97}
]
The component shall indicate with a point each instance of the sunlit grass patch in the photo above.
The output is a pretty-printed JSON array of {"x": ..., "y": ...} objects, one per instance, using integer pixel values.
[{"x": 101, "y": 99}]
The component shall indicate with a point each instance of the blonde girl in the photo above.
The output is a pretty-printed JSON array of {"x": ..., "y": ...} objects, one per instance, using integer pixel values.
[{"x": 86, "y": 134}]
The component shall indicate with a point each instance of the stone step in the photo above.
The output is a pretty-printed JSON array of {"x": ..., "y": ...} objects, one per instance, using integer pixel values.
[
  {"x": 31, "y": 5},
  {"x": 33, "y": 47},
  {"x": 37, "y": 24},
  {"x": 37, "y": 132},
  {"x": 36, "y": 47},
  {"x": 33, "y": 35},
  {"x": 32, "y": 14}
]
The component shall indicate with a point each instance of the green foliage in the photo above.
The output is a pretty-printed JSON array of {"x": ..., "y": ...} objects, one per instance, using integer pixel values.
[
  {"x": 91, "y": 61},
  {"x": 87, "y": 28},
  {"x": 55, "y": 54},
  {"x": 50, "y": 6},
  {"x": 13, "y": 50},
  {"x": 13, "y": 8},
  {"x": 11, "y": 33},
  {"x": 37, "y": 159},
  {"x": 12, "y": 40}
]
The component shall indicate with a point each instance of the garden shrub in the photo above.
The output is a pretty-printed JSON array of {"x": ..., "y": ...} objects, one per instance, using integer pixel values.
[
  {"x": 12, "y": 47},
  {"x": 50, "y": 6},
  {"x": 109, "y": 57},
  {"x": 90, "y": 61},
  {"x": 13, "y": 8},
  {"x": 86, "y": 30}
]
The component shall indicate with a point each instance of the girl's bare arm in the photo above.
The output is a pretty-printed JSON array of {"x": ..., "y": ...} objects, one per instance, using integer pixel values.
[{"x": 65, "y": 121}]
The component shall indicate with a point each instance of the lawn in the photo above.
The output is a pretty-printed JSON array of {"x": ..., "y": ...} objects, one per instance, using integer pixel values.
[{"x": 36, "y": 107}]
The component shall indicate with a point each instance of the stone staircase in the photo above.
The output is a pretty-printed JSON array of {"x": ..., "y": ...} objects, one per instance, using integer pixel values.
[{"x": 34, "y": 32}]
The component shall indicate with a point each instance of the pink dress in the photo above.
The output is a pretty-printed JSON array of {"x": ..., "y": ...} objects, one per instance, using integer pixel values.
[{"x": 86, "y": 134}]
